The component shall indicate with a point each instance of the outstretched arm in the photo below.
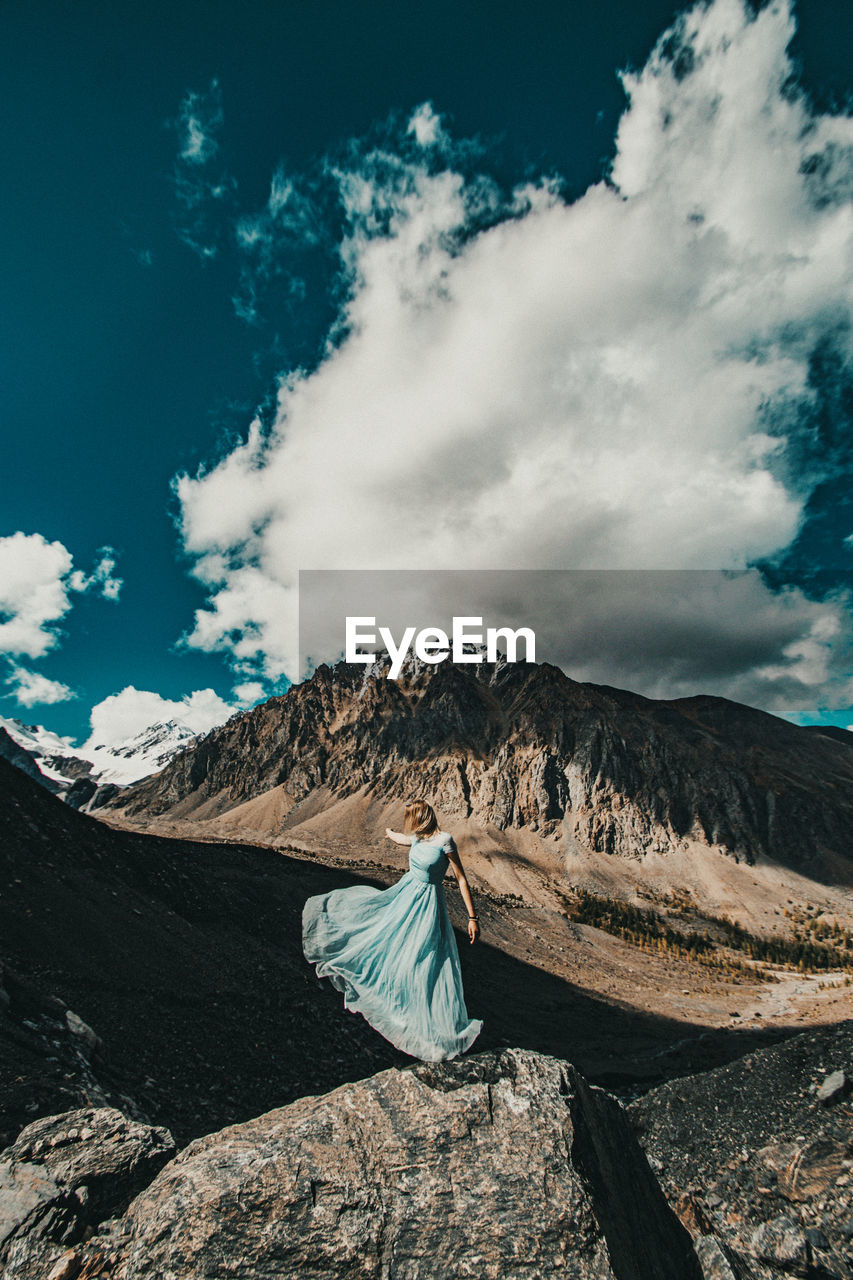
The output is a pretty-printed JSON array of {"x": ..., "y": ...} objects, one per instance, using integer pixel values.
[
  {"x": 398, "y": 836},
  {"x": 458, "y": 870}
]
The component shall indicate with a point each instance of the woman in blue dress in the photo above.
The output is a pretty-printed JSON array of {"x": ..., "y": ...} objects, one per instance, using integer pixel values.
[{"x": 392, "y": 952}]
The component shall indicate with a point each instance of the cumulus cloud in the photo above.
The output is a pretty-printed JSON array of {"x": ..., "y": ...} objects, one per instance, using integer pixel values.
[
  {"x": 32, "y": 688},
  {"x": 250, "y": 693},
  {"x": 34, "y": 587},
  {"x": 122, "y": 715},
  {"x": 203, "y": 186},
  {"x": 617, "y": 383},
  {"x": 37, "y": 580}
]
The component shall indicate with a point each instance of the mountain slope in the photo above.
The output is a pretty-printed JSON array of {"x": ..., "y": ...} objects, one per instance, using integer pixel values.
[
  {"x": 524, "y": 749},
  {"x": 185, "y": 960}
]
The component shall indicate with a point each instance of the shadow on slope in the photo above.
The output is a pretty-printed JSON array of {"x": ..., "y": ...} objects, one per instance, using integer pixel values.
[{"x": 186, "y": 960}]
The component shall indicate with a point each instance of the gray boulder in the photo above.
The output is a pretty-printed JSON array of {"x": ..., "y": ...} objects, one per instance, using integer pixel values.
[
  {"x": 506, "y": 1164},
  {"x": 64, "y": 1175}
]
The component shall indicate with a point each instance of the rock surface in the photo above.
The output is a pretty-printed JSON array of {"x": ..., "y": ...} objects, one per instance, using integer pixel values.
[
  {"x": 518, "y": 746},
  {"x": 64, "y": 1175},
  {"x": 505, "y": 1164},
  {"x": 500, "y": 1166},
  {"x": 751, "y": 1154}
]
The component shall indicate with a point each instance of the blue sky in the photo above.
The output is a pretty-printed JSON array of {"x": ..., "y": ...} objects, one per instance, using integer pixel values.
[{"x": 207, "y": 208}]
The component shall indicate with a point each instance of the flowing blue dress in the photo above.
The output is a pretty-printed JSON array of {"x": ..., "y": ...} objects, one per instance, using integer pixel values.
[{"x": 393, "y": 954}]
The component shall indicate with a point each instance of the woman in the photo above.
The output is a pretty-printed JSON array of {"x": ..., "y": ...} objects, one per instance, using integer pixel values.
[{"x": 393, "y": 953}]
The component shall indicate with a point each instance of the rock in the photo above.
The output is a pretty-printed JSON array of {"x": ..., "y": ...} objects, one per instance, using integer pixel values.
[
  {"x": 505, "y": 1164},
  {"x": 813, "y": 1168},
  {"x": 63, "y": 1175},
  {"x": 833, "y": 1087},
  {"x": 66, "y": 1267},
  {"x": 692, "y": 1214},
  {"x": 777, "y": 1155},
  {"x": 782, "y": 1243},
  {"x": 754, "y": 1145},
  {"x": 715, "y": 1265},
  {"x": 32, "y": 1203},
  {"x": 96, "y": 1147},
  {"x": 89, "y": 1040},
  {"x": 816, "y": 1238}
]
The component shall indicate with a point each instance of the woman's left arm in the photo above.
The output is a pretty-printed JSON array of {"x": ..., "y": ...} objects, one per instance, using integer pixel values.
[{"x": 459, "y": 871}]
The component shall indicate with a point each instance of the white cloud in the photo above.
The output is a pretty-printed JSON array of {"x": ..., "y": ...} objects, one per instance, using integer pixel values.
[
  {"x": 250, "y": 693},
  {"x": 614, "y": 383},
  {"x": 425, "y": 124},
  {"x": 100, "y": 578},
  {"x": 122, "y": 715},
  {"x": 31, "y": 687},
  {"x": 36, "y": 583}
]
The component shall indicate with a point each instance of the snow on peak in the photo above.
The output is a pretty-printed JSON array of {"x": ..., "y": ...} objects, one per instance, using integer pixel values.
[
  {"x": 123, "y": 762},
  {"x": 144, "y": 753}
]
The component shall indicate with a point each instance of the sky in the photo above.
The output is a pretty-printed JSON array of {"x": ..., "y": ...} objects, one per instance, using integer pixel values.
[{"x": 371, "y": 286}]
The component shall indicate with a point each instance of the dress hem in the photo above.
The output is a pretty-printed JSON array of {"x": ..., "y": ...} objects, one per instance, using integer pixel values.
[{"x": 392, "y": 1031}]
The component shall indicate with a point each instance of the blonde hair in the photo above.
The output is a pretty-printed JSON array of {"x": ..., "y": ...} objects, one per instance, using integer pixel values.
[{"x": 420, "y": 818}]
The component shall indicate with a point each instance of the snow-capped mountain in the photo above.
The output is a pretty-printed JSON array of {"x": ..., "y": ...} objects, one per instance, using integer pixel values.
[
  {"x": 47, "y": 749},
  {"x": 120, "y": 763},
  {"x": 145, "y": 753}
]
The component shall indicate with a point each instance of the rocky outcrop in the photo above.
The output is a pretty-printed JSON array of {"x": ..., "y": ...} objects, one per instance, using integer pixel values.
[
  {"x": 759, "y": 1154},
  {"x": 524, "y": 746},
  {"x": 63, "y": 1176},
  {"x": 501, "y": 1165}
]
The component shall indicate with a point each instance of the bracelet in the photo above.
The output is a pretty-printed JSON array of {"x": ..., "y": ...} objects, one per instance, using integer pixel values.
[{"x": 473, "y": 917}]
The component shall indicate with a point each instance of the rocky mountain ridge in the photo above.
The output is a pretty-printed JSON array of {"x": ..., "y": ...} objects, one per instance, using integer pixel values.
[{"x": 523, "y": 747}]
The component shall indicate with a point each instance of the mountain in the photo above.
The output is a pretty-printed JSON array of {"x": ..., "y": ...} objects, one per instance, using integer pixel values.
[
  {"x": 77, "y": 772},
  {"x": 139, "y": 756},
  {"x": 17, "y": 755},
  {"x": 521, "y": 760}
]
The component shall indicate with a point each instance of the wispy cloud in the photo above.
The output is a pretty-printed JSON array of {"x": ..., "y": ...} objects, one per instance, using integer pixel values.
[
  {"x": 101, "y": 580},
  {"x": 37, "y": 582},
  {"x": 626, "y": 381},
  {"x": 426, "y": 126},
  {"x": 203, "y": 186},
  {"x": 272, "y": 241}
]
